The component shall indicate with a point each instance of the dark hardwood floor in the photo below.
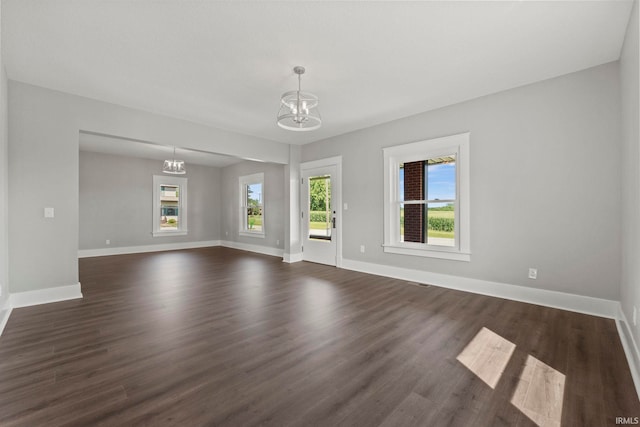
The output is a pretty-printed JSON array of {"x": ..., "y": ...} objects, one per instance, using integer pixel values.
[{"x": 217, "y": 336}]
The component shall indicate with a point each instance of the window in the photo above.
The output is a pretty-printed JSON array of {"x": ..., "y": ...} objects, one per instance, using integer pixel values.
[
  {"x": 427, "y": 198},
  {"x": 169, "y": 206},
  {"x": 252, "y": 205}
]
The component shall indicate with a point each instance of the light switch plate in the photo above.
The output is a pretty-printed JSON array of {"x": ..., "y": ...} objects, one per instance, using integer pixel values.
[{"x": 49, "y": 213}]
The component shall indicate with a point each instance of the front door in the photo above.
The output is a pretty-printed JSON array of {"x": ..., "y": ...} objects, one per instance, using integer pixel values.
[{"x": 319, "y": 218}]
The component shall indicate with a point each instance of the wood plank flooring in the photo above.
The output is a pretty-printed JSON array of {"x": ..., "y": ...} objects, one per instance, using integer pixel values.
[{"x": 220, "y": 337}]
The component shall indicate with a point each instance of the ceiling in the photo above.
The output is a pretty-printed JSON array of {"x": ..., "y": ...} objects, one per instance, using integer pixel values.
[
  {"x": 147, "y": 150},
  {"x": 226, "y": 63}
]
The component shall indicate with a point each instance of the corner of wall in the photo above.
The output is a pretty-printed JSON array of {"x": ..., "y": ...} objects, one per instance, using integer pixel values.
[
  {"x": 630, "y": 189},
  {"x": 5, "y": 309},
  {"x": 5, "y": 312},
  {"x": 630, "y": 347}
]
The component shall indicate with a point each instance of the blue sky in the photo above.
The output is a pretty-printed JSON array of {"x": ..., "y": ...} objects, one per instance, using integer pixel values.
[{"x": 441, "y": 180}]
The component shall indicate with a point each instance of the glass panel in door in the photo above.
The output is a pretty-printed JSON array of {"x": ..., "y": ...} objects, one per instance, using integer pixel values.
[{"x": 320, "y": 218}]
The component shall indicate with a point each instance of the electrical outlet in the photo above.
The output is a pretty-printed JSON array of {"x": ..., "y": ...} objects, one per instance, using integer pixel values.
[
  {"x": 226, "y": 233},
  {"x": 277, "y": 242},
  {"x": 346, "y": 206},
  {"x": 362, "y": 249},
  {"x": 533, "y": 273},
  {"x": 635, "y": 316},
  {"x": 108, "y": 242}
]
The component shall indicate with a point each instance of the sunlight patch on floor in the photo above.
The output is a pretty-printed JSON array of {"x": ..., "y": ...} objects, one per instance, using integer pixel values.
[
  {"x": 539, "y": 393},
  {"x": 487, "y": 356}
]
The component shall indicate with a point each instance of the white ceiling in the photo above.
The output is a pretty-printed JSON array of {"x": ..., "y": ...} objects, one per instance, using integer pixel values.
[
  {"x": 226, "y": 63},
  {"x": 132, "y": 148}
]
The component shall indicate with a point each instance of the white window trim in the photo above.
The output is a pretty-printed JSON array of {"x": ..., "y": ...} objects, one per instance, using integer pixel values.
[
  {"x": 393, "y": 157},
  {"x": 182, "y": 230},
  {"x": 243, "y": 182}
]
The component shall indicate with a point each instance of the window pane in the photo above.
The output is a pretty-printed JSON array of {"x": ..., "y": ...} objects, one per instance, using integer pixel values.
[
  {"x": 441, "y": 178},
  {"x": 411, "y": 181},
  {"x": 254, "y": 207},
  {"x": 320, "y": 214},
  {"x": 169, "y": 207},
  {"x": 412, "y": 220},
  {"x": 440, "y": 224}
]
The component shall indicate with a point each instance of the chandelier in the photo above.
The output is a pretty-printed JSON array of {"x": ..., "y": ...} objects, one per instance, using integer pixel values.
[
  {"x": 173, "y": 166},
  {"x": 299, "y": 110}
]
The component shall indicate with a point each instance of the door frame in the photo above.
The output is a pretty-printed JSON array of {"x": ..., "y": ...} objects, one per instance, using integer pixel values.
[{"x": 336, "y": 189}]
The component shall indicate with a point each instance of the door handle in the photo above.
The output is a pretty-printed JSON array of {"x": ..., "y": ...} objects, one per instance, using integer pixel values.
[{"x": 333, "y": 221}]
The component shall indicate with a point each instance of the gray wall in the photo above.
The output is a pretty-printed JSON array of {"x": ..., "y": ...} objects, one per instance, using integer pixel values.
[
  {"x": 629, "y": 70},
  {"x": 4, "y": 189},
  {"x": 292, "y": 237},
  {"x": 274, "y": 203},
  {"x": 116, "y": 200},
  {"x": 545, "y": 179},
  {"x": 43, "y": 172}
]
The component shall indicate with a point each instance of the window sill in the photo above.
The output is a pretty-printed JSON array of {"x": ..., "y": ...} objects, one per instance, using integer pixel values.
[
  {"x": 428, "y": 253},
  {"x": 251, "y": 234},
  {"x": 169, "y": 233}
]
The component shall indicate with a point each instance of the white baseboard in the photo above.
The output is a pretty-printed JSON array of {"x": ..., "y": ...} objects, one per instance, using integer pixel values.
[
  {"x": 291, "y": 258},
  {"x": 86, "y": 253},
  {"x": 630, "y": 347},
  {"x": 266, "y": 250},
  {"x": 44, "y": 296},
  {"x": 578, "y": 303}
]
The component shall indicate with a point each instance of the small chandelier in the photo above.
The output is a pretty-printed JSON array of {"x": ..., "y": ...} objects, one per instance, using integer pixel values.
[
  {"x": 299, "y": 110},
  {"x": 173, "y": 166}
]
